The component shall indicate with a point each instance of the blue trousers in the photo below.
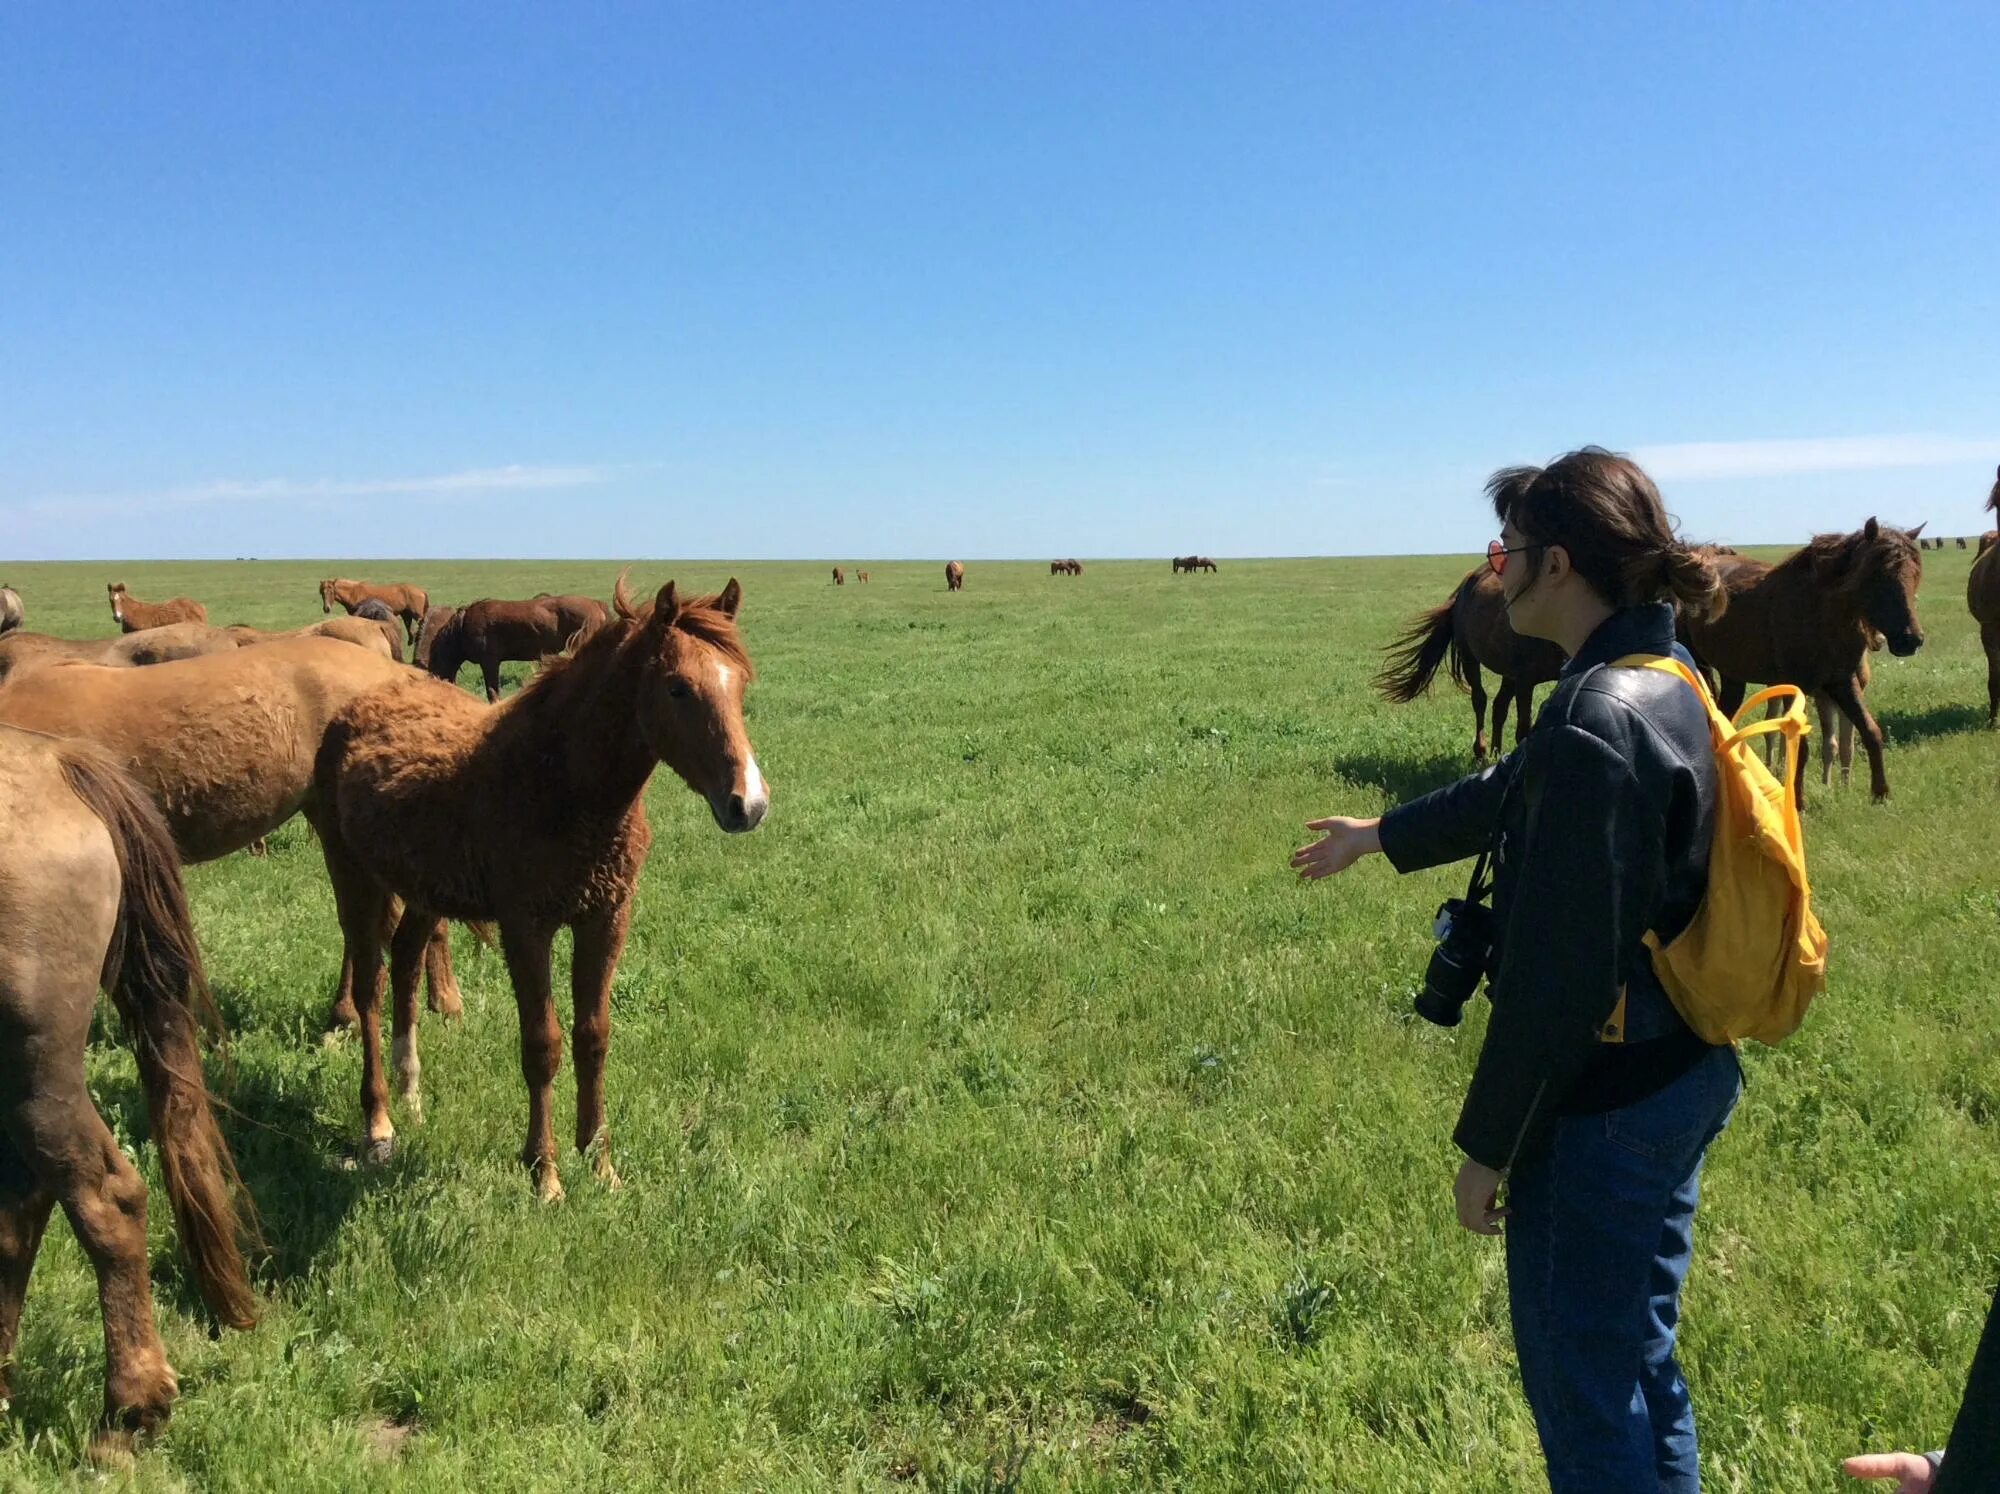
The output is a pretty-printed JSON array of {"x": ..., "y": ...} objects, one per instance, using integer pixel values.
[{"x": 1598, "y": 1243}]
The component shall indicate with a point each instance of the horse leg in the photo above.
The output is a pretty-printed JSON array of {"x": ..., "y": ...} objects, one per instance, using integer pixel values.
[
  {"x": 444, "y": 998},
  {"x": 24, "y": 1214},
  {"x": 593, "y": 962},
  {"x": 1823, "y": 707},
  {"x": 365, "y": 913},
  {"x": 489, "y": 666},
  {"x": 526, "y": 947},
  {"x": 1989, "y": 635},
  {"x": 77, "y": 1159},
  {"x": 1847, "y": 695},
  {"x": 1524, "y": 706},
  {"x": 1475, "y": 683},
  {"x": 407, "y": 952}
]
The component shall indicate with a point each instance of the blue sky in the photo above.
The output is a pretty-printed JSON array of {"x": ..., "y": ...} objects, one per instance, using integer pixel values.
[{"x": 937, "y": 279}]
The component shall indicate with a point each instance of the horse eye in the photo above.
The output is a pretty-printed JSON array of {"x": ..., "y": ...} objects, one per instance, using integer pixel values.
[{"x": 679, "y": 690}]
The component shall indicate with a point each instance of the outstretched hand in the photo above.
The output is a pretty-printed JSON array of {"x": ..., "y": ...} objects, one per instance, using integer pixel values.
[
  {"x": 1914, "y": 1470},
  {"x": 1345, "y": 841}
]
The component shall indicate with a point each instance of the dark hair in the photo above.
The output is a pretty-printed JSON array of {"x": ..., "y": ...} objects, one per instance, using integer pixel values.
[{"x": 1605, "y": 512}]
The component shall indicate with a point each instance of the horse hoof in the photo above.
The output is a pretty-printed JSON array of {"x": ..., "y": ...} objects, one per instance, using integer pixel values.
[
  {"x": 376, "y": 1153},
  {"x": 605, "y": 1173},
  {"x": 113, "y": 1450},
  {"x": 547, "y": 1181}
]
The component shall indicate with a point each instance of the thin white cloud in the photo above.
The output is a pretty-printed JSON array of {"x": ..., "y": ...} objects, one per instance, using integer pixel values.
[
  {"x": 1694, "y": 461},
  {"x": 467, "y": 483}
]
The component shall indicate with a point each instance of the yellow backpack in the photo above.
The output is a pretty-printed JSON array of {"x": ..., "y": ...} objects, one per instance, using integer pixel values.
[{"x": 1754, "y": 956}]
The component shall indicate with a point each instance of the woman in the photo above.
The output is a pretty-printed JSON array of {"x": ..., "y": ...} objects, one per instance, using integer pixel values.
[{"x": 1593, "y": 1101}]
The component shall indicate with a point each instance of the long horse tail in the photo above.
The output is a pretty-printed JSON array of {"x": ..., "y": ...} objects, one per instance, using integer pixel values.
[
  {"x": 1415, "y": 657},
  {"x": 154, "y": 974}
]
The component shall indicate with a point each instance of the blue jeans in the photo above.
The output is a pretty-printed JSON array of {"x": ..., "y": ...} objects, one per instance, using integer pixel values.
[{"x": 1599, "y": 1240}]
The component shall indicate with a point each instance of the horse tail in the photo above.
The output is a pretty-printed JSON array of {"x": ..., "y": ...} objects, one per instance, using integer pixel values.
[
  {"x": 1415, "y": 657},
  {"x": 154, "y": 974}
]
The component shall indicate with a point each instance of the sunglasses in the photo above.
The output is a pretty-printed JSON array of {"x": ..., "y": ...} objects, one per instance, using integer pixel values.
[{"x": 1497, "y": 553}]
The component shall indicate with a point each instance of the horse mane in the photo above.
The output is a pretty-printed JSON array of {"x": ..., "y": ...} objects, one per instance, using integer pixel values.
[
  {"x": 1993, "y": 498},
  {"x": 1839, "y": 556},
  {"x": 700, "y": 617}
]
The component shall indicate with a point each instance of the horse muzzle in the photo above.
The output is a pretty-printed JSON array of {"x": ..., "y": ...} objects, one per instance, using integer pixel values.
[
  {"x": 742, "y": 809},
  {"x": 1905, "y": 644}
]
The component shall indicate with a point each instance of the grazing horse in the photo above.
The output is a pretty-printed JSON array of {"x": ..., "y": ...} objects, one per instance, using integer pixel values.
[
  {"x": 381, "y": 638},
  {"x": 1808, "y": 620},
  {"x": 1961, "y": 542},
  {"x": 861, "y": 578},
  {"x": 134, "y": 615},
  {"x": 92, "y": 896},
  {"x": 12, "y": 613},
  {"x": 532, "y": 815},
  {"x": 224, "y": 745},
  {"x": 489, "y": 633},
  {"x": 954, "y": 576},
  {"x": 1186, "y": 563},
  {"x": 839, "y": 576},
  {"x": 410, "y": 603},
  {"x": 1470, "y": 629},
  {"x": 1982, "y": 596},
  {"x": 1065, "y": 568},
  {"x": 20, "y": 651},
  {"x": 1202, "y": 562}
]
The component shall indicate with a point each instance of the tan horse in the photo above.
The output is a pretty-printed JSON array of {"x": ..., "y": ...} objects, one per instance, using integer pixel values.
[
  {"x": 1982, "y": 596},
  {"x": 19, "y": 651},
  {"x": 134, "y": 615},
  {"x": 530, "y": 814},
  {"x": 1808, "y": 621},
  {"x": 224, "y": 744},
  {"x": 385, "y": 639},
  {"x": 954, "y": 576},
  {"x": 410, "y": 603},
  {"x": 12, "y": 613},
  {"x": 861, "y": 578},
  {"x": 839, "y": 576},
  {"x": 91, "y": 894},
  {"x": 1470, "y": 630}
]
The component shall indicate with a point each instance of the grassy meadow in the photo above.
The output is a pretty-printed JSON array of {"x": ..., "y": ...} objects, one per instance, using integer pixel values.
[{"x": 1003, "y": 1115}]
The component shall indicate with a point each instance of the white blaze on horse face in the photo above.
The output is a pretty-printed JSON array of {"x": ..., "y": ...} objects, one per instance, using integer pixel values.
[
  {"x": 756, "y": 797},
  {"x": 724, "y": 675}
]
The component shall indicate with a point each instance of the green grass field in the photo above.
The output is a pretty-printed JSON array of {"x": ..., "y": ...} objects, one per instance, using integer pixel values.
[{"x": 1001, "y": 1114}]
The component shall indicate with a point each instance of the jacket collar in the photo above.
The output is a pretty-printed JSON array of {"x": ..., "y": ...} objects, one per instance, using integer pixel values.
[{"x": 1645, "y": 629}]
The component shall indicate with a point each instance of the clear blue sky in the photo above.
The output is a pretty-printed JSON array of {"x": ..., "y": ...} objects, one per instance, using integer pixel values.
[{"x": 742, "y": 280}]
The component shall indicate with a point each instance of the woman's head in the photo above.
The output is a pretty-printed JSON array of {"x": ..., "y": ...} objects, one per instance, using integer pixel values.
[{"x": 1590, "y": 528}]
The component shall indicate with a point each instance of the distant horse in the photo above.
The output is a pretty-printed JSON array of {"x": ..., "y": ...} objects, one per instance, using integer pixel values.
[
  {"x": 839, "y": 576},
  {"x": 410, "y": 603},
  {"x": 861, "y": 577},
  {"x": 489, "y": 633},
  {"x": 531, "y": 814},
  {"x": 1188, "y": 563},
  {"x": 1961, "y": 542},
  {"x": 134, "y": 615},
  {"x": 1468, "y": 630},
  {"x": 1982, "y": 596},
  {"x": 954, "y": 576},
  {"x": 12, "y": 613},
  {"x": 93, "y": 896},
  {"x": 377, "y": 637},
  {"x": 1065, "y": 568},
  {"x": 223, "y": 744},
  {"x": 1807, "y": 622},
  {"x": 19, "y": 651},
  {"x": 1202, "y": 562}
]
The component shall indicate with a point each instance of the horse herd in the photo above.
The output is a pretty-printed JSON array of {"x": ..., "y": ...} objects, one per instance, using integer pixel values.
[
  {"x": 1811, "y": 620},
  {"x": 519, "y": 818}
]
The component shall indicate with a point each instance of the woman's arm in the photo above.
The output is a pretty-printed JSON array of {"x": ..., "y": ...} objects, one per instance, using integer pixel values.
[{"x": 1451, "y": 823}]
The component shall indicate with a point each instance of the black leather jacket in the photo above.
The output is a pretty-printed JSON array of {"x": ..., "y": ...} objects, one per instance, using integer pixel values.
[{"x": 1603, "y": 816}]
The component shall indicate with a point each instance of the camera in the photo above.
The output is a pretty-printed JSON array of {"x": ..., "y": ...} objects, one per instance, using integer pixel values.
[{"x": 1463, "y": 956}]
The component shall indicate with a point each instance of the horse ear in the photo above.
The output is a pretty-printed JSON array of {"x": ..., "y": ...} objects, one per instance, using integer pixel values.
[
  {"x": 1872, "y": 529},
  {"x": 666, "y": 605},
  {"x": 731, "y": 598},
  {"x": 1918, "y": 530}
]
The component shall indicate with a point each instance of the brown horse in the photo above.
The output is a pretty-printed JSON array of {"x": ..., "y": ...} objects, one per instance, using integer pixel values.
[
  {"x": 1468, "y": 630},
  {"x": 385, "y": 639},
  {"x": 1065, "y": 568},
  {"x": 224, "y": 744},
  {"x": 839, "y": 576},
  {"x": 134, "y": 615},
  {"x": 92, "y": 895},
  {"x": 12, "y": 613},
  {"x": 1807, "y": 621},
  {"x": 410, "y": 603},
  {"x": 19, "y": 651},
  {"x": 531, "y": 815},
  {"x": 861, "y": 578},
  {"x": 1961, "y": 542},
  {"x": 1982, "y": 596},
  {"x": 574, "y": 615},
  {"x": 954, "y": 576},
  {"x": 1202, "y": 562},
  {"x": 489, "y": 633}
]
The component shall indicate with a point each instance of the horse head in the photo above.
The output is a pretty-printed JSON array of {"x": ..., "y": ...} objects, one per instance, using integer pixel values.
[
  {"x": 440, "y": 648},
  {"x": 116, "y": 591},
  {"x": 1881, "y": 568},
  {"x": 693, "y": 673}
]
